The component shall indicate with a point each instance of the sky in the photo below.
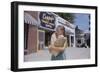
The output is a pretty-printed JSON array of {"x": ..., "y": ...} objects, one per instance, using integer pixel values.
[{"x": 82, "y": 20}]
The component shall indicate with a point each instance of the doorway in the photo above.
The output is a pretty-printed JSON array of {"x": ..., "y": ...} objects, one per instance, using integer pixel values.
[{"x": 48, "y": 35}]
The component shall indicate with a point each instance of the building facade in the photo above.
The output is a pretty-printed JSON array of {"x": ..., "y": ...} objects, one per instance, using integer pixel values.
[{"x": 82, "y": 38}]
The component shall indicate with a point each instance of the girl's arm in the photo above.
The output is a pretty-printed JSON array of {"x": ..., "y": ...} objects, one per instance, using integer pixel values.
[{"x": 60, "y": 48}]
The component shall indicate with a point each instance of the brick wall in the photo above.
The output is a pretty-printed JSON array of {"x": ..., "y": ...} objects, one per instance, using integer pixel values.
[{"x": 32, "y": 39}]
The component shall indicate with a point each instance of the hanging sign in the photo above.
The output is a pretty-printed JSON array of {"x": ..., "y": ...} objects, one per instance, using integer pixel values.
[{"x": 47, "y": 20}]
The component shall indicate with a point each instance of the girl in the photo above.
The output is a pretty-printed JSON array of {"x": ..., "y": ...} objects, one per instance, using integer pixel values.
[{"x": 58, "y": 52}]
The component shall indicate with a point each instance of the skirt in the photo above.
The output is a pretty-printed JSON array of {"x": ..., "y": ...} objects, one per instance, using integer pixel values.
[{"x": 60, "y": 56}]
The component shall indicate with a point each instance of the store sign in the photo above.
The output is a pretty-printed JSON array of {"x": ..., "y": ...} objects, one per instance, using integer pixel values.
[{"x": 47, "y": 20}]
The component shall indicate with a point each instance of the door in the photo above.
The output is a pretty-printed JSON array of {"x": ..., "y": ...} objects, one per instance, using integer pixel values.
[
  {"x": 72, "y": 41},
  {"x": 41, "y": 39}
]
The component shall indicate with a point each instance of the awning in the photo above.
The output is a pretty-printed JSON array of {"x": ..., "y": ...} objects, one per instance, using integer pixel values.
[{"x": 29, "y": 19}]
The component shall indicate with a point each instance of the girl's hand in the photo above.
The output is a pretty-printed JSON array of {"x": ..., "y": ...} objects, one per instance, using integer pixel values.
[{"x": 50, "y": 48}]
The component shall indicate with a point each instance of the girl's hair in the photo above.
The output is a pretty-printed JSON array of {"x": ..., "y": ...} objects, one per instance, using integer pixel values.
[{"x": 62, "y": 28}]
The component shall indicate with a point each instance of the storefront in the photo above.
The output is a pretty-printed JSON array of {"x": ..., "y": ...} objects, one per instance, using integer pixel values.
[
  {"x": 38, "y": 28},
  {"x": 30, "y": 32}
]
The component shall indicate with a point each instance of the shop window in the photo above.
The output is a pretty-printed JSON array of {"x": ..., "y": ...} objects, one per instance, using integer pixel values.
[{"x": 44, "y": 38}]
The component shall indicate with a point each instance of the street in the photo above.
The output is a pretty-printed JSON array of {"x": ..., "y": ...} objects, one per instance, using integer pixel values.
[{"x": 71, "y": 53}]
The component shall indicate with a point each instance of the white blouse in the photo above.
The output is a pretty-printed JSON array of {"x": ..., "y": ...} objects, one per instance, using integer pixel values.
[{"x": 53, "y": 39}]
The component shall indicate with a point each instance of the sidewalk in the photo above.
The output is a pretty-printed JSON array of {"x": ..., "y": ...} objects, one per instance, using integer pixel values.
[
  {"x": 42, "y": 55},
  {"x": 71, "y": 53}
]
